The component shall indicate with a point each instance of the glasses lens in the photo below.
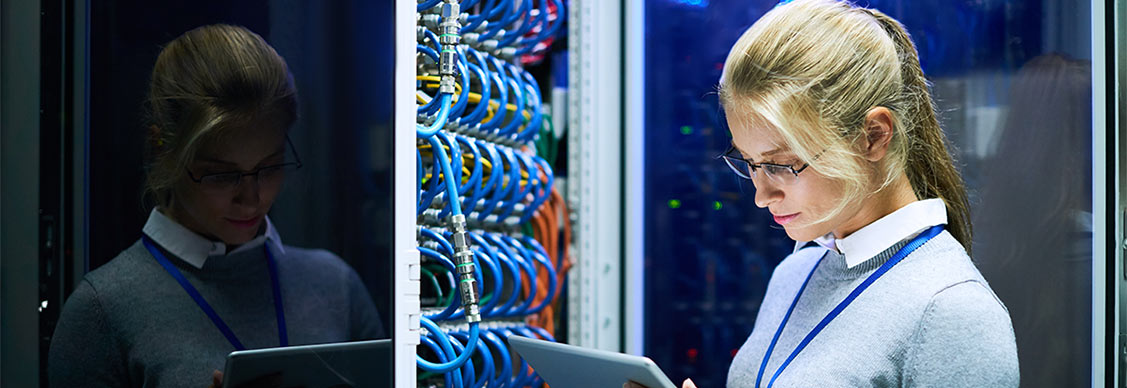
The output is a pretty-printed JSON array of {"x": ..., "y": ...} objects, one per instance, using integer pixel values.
[
  {"x": 780, "y": 174},
  {"x": 218, "y": 183},
  {"x": 740, "y": 167},
  {"x": 275, "y": 174}
]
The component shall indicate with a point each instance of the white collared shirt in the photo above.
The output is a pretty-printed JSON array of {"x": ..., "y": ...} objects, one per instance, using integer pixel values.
[
  {"x": 874, "y": 238},
  {"x": 195, "y": 249}
]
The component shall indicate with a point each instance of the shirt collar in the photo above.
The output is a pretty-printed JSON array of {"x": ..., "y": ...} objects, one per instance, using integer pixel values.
[
  {"x": 196, "y": 249},
  {"x": 874, "y": 238}
]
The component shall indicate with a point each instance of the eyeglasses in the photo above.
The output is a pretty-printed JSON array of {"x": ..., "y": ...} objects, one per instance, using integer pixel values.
[
  {"x": 779, "y": 173},
  {"x": 228, "y": 182}
]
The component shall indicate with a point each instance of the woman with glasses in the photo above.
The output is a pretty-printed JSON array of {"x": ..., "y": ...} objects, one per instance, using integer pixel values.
[
  {"x": 832, "y": 122},
  {"x": 210, "y": 274}
]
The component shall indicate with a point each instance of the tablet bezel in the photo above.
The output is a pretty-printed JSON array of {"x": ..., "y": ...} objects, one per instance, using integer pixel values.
[
  {"x": 244, "y": 365},
  {"x": 557, "y": 364}
]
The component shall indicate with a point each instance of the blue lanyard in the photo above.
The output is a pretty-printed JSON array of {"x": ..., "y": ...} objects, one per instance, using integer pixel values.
[
  {"x": 896, "y": 258},
  {"x": 191, "y": 290}
]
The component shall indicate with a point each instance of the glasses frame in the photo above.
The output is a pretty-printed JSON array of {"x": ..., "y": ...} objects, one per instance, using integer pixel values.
[
  {"x": 732, "y": 156},
  {"x": 296, "y": 162}
]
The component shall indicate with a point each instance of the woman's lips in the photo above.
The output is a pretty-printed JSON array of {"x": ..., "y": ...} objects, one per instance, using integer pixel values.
[
  {"x": 247, "y": 223},
  {"x": 784, "y": 219}
]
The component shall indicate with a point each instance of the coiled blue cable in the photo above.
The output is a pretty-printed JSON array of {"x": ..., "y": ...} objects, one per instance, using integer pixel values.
[
  {"x": 468, "y": 372},
  {"x": 517, "y": 117},
  {"x": 442, "y": 357},
  {"x": 528, "y": 44},
  {"x": 426, "y": 5},
  {"x": 506, "y": 362},
  {"x": 473, "y": 184},
  {"x": 474, "y": 21},
  {"x": 495, "y": 267},
  {"x": 538, "y": 254},
  {"x": 449, "y": 311},
  {"x": 455, "y": 363},
  {"x": 525, "y": 25},
  {"x": 537, "y": 107},
  {"x": 439, "y": 122},
  {"x": 545, "y": 190},
  {"x": 506, "y": 8},
  {"x": 431, "y": 105},
  {"x": 502, "y": 99},
  {"x": 506, "y": 258},
  {"x": 487, "y": 369}
]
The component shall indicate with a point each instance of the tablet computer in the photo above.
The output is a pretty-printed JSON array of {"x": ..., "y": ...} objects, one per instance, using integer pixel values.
[
  {"x": 567, "y": 366},
  {"x": 343, "y": 364}
]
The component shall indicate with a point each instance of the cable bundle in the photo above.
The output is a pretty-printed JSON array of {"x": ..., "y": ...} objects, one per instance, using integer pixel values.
[{"x": 493, "y": 228}]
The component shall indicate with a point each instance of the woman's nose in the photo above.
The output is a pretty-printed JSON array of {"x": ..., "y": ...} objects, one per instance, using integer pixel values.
[
  {"x": 766, "y": 192},
  {"x": 247, "y": 191}
]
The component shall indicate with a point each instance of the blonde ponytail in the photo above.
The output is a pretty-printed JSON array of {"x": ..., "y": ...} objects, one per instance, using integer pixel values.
[{"x": 930, "y": 167}]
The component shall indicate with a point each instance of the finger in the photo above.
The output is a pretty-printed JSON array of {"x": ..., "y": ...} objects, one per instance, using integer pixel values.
[
  {"x": 631, "y": 384},
  {"x": 216, "y": 379},
  {"x": 688, "y": 384}
]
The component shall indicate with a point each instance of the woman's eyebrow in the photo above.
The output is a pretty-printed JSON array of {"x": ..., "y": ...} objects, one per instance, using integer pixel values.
[
  {"x": 764, "y": 155},
  {"x": 215, "y": 161},
  {"x": 774, "y": 151},
  {"x": 212, "y": 160}
]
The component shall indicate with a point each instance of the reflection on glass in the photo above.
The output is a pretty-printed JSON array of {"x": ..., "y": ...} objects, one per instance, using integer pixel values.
[{"x": 1034, "y": 222}]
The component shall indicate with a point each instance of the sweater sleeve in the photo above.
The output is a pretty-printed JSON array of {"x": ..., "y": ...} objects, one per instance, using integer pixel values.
[
  {"x": 964, "y": 339},
  {"x": 84, "y": 349}
]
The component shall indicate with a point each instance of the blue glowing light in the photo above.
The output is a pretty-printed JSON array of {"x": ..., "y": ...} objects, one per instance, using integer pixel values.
[{"x": 694, "y": 3}]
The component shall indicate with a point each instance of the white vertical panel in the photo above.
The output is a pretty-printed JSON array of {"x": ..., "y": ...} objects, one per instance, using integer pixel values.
[
  {"x": 634, "y": 145},
  {"x": 405, "y": 302},
  {"x": 1100, "y": 163},
  {"x": 595, "y": 162}
]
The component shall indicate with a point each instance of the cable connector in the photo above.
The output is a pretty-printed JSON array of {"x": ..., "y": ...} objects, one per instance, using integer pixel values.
[
  {"x": 448, "y": 30},
  {"x": 463, "y": 261}
]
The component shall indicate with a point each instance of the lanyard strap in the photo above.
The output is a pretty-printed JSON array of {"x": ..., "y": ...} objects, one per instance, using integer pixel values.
[
  {"x": 222, "y": 326},
  {"x": 896, "y": 258}
]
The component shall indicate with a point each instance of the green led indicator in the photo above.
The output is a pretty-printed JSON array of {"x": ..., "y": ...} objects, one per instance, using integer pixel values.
[
  {"x": 674, "y": 203},
  {"x": 686, "y": 130},
  {"x": 717, "y": 205}
]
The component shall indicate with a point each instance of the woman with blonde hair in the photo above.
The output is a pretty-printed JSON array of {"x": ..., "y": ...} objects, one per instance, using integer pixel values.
[
  {"x": 209, "y": 274},
  {"x": 832, "y": 121}
]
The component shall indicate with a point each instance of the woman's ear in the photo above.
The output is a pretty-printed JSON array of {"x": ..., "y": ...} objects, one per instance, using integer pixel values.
[{"x": 879, "y": 126}]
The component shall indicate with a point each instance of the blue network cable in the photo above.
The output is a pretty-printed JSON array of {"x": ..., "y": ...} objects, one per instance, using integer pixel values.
[
  {"x": 427, "y": 5},
  {"x": 521, "y": 14},
  {"x": 492, "y": 338},
  {"x": 513, "y": 262},
  {"x": 446, "y": 347},
  {"x": 442, "y": 357},
  {"x": 448, "y": 312},
  {"x": 468, "y": 372},
  {"x": 486, "y": 358},
  {"x": 527, "y": 45},
  {"x": 546, "y": 190},
  {"x": 506, "y": 8}
]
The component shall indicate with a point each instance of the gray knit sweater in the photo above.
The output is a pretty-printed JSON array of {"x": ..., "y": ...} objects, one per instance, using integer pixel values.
[
  {"x": 130, "y": 324},
  {"x": 930, "y": 321}
]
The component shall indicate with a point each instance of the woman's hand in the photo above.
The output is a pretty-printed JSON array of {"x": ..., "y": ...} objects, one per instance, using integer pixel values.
[
  {"x": 216, "y": 379},
  {"x": 687, "y": 384}
]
